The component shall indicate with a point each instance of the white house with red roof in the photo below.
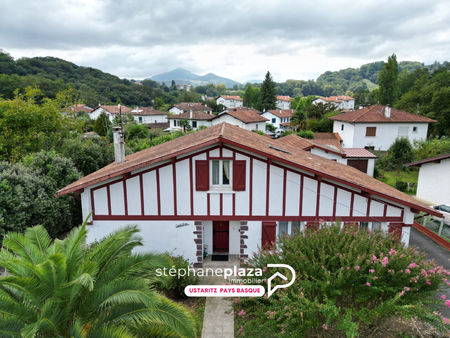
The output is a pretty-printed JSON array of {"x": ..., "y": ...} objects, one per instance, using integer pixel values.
[
  {"x": 147, "y": 115},
  {"x": 195, "y": 119},
  {"x": 279, "y": 118},
  {"x": 340, "y": 102},
  {"x": 186, "y": 107},
  {"x": 111, "y": 111},
  {"x": 283, "y": 102},
  {"x": 377, "y": 127},
  {"x": 246, "y": 118},
  {"x": 230, "y": 101},
  {"x": 227, "y": 190}
]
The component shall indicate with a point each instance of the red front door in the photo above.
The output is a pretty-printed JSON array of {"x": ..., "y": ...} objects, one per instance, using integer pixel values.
[{"x": 221, "y": 236}]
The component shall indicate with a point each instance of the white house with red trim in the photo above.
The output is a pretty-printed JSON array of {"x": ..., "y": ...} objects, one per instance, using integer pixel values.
[
  {"x": 340, "y": 102},
  {"x": 279, "y": 118},
  {"x": 247, "y": 118},
  {"x": 230, "y": 101},
  {"x": 226, "y": 189},
  {"x": 283, "y": 102},
  {"x": 377, "y": 127},
  {"x": 111, "y": 111}
]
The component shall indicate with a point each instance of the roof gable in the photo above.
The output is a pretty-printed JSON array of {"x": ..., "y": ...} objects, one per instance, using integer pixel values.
[{"x": 246, "y": 115}]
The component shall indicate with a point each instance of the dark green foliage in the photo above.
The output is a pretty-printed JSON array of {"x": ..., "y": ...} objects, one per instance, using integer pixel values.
[
  {"x": 400, "y": 152},
  {"x": 346, "y": 282},
  {"x": 251, "y": 97},
  {"x": 270, "y": 127},
  {"x": 27, "y": 199},
  {"x": 66, "y": 288},
  {"x": 431, "y": 148},
  {"x": 136, "y": 131},
  {"x": 176, "y": 284},
  {"x": 268, "y": 93},
  {"x": 402, "y": 186},
  {"x": 389, "y": 90},
  {"x": 305, "y": 134},
  {"x": 102, "y": 124},
  {"x": 88, "y": 155}
]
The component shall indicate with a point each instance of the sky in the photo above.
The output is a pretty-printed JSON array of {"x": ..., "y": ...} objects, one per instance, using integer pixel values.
[{"x": 240, "y": 40}]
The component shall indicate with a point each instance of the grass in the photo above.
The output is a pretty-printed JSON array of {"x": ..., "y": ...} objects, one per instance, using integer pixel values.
[
  {"x": 197, "y": 307},
  {"x": 390, "y": 177}
]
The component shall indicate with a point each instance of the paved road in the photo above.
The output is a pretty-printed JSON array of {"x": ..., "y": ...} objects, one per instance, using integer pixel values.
[{"x": 441, "y": 256}]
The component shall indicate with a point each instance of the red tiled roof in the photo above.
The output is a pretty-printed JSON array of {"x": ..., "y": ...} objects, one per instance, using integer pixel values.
[
  {"x": 78, "y": 107},
  {"x": 436, "y": 159},
  {"x": 158, "y": 125},
  {"x": 331, "y": 139},
  {"x": 375, "y": 114},
  {"x": 114, "y": 109},
  {"x": 282, "y": 112},
  {"x": 147, "y": 111},
  {"x": 196, "y": 115},
  {"x": 246, "y": 115},
  {"x": 359, "y": 152},
  {"x": 262, "y": 145},
  {"x": 194, "y": 106},
  {"x": 284, "y": 98},
  {"x": 232, "y": 97}
]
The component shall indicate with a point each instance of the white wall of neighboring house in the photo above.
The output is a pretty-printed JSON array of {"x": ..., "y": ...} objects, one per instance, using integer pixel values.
[
  {"x": 281, "y": 104},
  {"x": 97, "y": 112},
  {"x": 229, "y": 103},
  {"x": 150, "y": 118},
  {"x": 175, "y": 123},
  {"x": 434, "y": 182},
  {"x": 354, "y": 135},
  {"x": 348, "y": 104},
  {"x": 235, "y": 122},
  {"x": 273, "y": 119},
  {"x": 329, "y": 155},
  {"x": 175, "y": 110}
]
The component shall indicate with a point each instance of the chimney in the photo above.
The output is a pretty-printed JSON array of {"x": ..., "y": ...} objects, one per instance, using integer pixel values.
[
  {"x": 387, "y": 111},
  {"x": 190, "y": 114},
  {"x": 119, "y": 145}
]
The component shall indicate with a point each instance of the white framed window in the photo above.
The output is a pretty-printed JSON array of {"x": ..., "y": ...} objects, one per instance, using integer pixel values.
[
  {"x": 414, "y": 129},
  {"x": 194, "y": 124},
  {"x": 140, "y": 119},
  {"x": 282, "y": 228},
  {"x": 221, "y": 171},
  {"x": 296, "y": 227}
]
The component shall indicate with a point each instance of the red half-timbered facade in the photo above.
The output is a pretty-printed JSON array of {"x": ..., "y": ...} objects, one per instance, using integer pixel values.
[{"x": 225, "y": 189}]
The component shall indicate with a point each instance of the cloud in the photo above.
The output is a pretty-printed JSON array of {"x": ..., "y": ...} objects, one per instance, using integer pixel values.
[{"x": 240, "y": 39}]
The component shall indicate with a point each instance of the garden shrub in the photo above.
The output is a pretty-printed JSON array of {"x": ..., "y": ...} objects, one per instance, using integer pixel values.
[
  {"x": 176, "y": 284},
  {"x": 305, "y": 134},
  {"x": 346, "y": 282},
  {"x": 27, "y": 199},
  {"x": 402, "y": 186}
]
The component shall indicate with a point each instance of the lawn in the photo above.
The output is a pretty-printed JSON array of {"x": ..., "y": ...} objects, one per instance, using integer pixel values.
[{"x": 390, "y": 177}]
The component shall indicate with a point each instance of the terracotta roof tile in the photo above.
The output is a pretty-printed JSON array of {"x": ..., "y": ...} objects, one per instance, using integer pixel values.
[
  {"x": 147, "y": 111},
  {"x": 359, "y": 152},
  {"x": 239, "y": 137},
  {"x": 282, "y": 112},
  {"x": 114, "y": 109},
  {"x": 196, "y": 115},
  {"x": 284, "y": 98},
  {"x": 232, "y": 97},
  {"x": 246, "y": 115},
  {"x": 428, "y": 160},
  {"x": 194, "y": 106},
  {"x": 78, "y": 107},
  {"x": 375, "y": 114}
]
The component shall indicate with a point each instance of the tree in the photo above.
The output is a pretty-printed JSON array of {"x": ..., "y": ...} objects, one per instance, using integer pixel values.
[
  {"x": 270, "y": 127},
  {"x": 298, "y": 120},
  {"x": 102, "y": 124},
  {"x": 268, "y": 94},
  {"x": 399, "y": 153},
  {"x": 65, "y": 288},
  {"x": 185, "y": 124},
  {"x": 136, "y": 131},
  {"x": 251, "y": 97},
  {"x": 388, "y": 81},
  {"x": 319, "y": 109}
]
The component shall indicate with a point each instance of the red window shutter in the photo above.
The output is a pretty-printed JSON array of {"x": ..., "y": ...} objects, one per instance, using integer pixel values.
[
  {"x": 202, "y": 175},
  {"x": 239, "y": 175},
  {"x": 268, "y": 234}
]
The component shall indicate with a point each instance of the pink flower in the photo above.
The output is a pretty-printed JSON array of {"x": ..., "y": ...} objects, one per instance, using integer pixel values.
[
  {"x": 447, "y": 303},
  {"x": 443, "y": 297},
  {"x": 371, "y": 270},
  {"x": 446, "y": 320},
  {"x": 402, "y": 293},
  {"x": 374, "y": 258},
  {"x": 428, "y": 282},
  {"x": 384, "y": 261},
  {"x": 407, "y": 271},
  {"x": 412, "y": 265},
  {"x": 264, "y": 269},
  {"x": 348, "y": 268},
  {"x": 324, "y": 327},
  {"x": 357, "y": 268},
  {"x": 241, "y": 329},
  {"x": 392, "y": 252},
  {"x": 407, "y": 288},
  {"x": 368, "y": 284},
  {"x": 282, "y": 331},
  {"x": 241, "y": 313}
]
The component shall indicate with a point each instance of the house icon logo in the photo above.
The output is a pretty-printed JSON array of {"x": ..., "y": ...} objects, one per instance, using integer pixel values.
[{"x": 271, "y": 290}]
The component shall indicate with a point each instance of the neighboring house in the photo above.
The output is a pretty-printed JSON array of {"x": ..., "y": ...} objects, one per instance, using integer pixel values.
[
  {"x": 148, "y": 115},
  {"x": 377, "y": 127},
  {"x": 195, "y": 119},
  {"x": 280, "y": 118},
  {"x": 230, "y": 101},
  {"x": 76, "y": 108},
  {"x": 283, "y": 102},
  {"x": 186, "y": 107},
  {"x": 341, "y": 102},
  {"x": 246, "y": 118},
  {"x": 228, "y": 190},
  {"x": 328, "y": 145},
  {"x": 184, "y": 86},
  {"x": 110, "y": 111},
  {"x": 433, "y": 185}
]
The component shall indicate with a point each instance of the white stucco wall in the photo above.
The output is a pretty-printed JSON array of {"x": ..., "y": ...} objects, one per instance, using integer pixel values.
[
  {"x": 151, "y": 118},
  {"x": 329, "y": 155},
  {"x": 280, "y": 104},
  {"x": 273, "y": 119},
  {"x": 235, "y": 122},
  {"x": 386, "y": 134},
  {"x": 229, "y": 103},
  {"x": 434, "y": 182}
]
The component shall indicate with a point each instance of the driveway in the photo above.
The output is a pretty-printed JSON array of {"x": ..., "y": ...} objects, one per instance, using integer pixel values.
[{"x": 440, "y": 255}]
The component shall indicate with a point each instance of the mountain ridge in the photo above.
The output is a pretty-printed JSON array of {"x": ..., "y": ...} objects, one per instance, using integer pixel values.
[{"x": 184, "y": 76}]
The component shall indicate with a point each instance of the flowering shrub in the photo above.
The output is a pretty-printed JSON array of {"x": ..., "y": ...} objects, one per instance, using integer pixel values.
[{"x": 346, "y": 281}]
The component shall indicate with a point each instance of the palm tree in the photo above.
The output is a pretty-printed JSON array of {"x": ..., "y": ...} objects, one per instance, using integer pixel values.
[{"x": 67, "y": 288}]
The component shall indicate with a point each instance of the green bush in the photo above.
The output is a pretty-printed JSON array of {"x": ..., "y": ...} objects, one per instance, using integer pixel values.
[
  {"x": 176, "y": 284},
  {"x": 402, "y": 186},
  {"x": 134, "y": 131},
  {"x": 27, "y": 199},
  {"x": 346, "y": 281},
  {"x": 88, "y": 155},
  {"x": 306, "y": 134},
  {"x": 270, "y": 127}
]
